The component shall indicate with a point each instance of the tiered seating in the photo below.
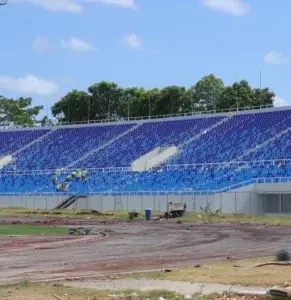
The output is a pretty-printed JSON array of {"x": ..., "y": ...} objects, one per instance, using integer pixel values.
[
  {"x": 146, "y": 138},
  {"x": 233, "y": 138},
  {"x": 280, "y": 148},
  {"x": 189, "y": 180},
  {"x": 228, "y": 141},
  {"x": 66, "y": 145},
  {"x": 11, "y": 141}
]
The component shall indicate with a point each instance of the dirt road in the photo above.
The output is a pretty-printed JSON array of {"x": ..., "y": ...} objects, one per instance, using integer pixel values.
[{"x": 126, "y": 247}]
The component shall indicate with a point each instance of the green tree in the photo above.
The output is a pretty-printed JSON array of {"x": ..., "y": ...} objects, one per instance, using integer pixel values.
[
  {"x": 263, "y": 97},
  {"x": 106, "y": 101},
  {"x": 241, "y": 94},
  {"x": 18, "y": 111},
  {"x": 46, "y": 121},
  {"x": 73, "y": 107},
  {"x": 172, "y": 100},
  {"x": 132, "y": 102},
  {"x": 207, "y": 92}
]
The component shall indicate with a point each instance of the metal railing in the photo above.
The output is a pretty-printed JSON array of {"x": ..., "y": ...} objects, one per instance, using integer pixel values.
[
  {"x": 154, "y": 117},
  {"x": 188, "y": 192},
  {"x": 163, "y": 168},
  {"x": 186, "y": 114}
]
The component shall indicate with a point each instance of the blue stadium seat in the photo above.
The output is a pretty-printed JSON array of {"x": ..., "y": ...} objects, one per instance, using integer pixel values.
[{"x": 255, "y": 145}]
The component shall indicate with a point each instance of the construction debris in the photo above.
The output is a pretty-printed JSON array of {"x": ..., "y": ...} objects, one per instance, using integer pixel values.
[
  {"x": 175, "y": 210},
  {"x": 283, "y": 255},
  {"x": 79, "y": 231},
  {"x": 132, "y": 215},
  {"x": 280, "y": 292},
  {"x": 93, "y": 212}
]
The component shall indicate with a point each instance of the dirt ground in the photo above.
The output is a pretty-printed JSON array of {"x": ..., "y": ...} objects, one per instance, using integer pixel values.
[{"x": 130, "y": 246}]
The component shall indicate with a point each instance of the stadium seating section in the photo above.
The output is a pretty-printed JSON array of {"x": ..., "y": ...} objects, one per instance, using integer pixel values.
[{"x": 215, "y": 152}]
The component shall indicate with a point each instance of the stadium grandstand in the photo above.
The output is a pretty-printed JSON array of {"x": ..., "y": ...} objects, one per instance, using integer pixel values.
[{"x": 190, "y": 156}]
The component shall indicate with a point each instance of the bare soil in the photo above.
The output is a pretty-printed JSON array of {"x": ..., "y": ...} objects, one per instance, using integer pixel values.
[{"x": 129, "y": 246}]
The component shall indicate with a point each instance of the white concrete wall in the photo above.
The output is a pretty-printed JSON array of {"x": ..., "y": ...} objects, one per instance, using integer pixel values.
[
  {"x": 5, "y": 160},
  {"x": 233, "y": 202},
  {"x": 153, "y": 158}
]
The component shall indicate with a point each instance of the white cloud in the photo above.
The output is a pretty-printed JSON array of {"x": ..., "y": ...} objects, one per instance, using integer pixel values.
[
  {"x": 132, "y": 41},
  {"x": 29, "y": 84},
  {"x": 42, "y": 44},
  {"x": 77, "y": 45},
  {"x": 233, "y": 7},
  {"x": 277, "y": 58},
  {"x": 72, "y": 6},
  {"x": 122, "y": 3},
  {"x": 280, "y": 102}
]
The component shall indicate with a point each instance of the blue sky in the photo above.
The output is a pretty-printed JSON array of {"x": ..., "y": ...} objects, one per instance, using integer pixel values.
[{"x": 49, "y": 47}]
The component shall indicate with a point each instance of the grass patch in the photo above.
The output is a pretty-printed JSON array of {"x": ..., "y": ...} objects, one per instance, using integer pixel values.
[
  {"x": 6, "y": 229},
  {"x": 31, "y": 291},
  {"x": 123, "y": 215},
  {"x": 226, "y": 273},
  {"x": 63, "y": 214}
]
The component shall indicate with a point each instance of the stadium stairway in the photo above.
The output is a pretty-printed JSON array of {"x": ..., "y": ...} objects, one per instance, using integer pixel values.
[
  {"x": 197, "y": 136},
  {"x": 71, "y": 165},
  {"x": 263, "y": 144},
  {"x": 69, "y": 201}
]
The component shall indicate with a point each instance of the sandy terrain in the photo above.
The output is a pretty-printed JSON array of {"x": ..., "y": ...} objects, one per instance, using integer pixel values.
[{"x": 125, "y": 247}]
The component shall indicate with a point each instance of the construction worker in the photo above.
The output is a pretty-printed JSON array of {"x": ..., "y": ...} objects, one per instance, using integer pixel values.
[
  {"x": 65, "y": 186},
  {"x": 54, "y": 178},
  {"x": 78, "y": 174},
  {"x": 74, "y": 174},
  {"x": 59, "y": 187},
  {"x": 84, "y": 174},
  {"x": 68, "y": 178}
]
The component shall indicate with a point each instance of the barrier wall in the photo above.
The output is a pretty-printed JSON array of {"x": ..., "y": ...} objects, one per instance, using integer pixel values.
[{"x": 231, "y": 202}]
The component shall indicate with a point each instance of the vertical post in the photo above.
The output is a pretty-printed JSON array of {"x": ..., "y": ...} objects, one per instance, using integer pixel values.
[
  {"x": 149, "y": 106},
  {"x": 89, "y": 108},
  {"x": 235, "y": 209},
  {"x": 261, "y": 87},
  {"x": 68, "y": 112},
  {"x": 192, "y": 103},
  {"x": 250, "y": 204},
  {"x": 236, "y": 94},
  {"x": 128, "y": 99},
  {"x": 207, "y": 199},
  {"x": 109, "y": 106}
]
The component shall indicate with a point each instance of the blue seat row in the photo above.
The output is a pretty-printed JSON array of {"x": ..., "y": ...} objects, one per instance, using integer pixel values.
[{"x": 252, "y": 136}]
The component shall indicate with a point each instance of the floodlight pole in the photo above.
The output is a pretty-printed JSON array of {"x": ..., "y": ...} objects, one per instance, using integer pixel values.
[
  {"x": 236, "y": 96},
  {"x": 261, "y": 87}
]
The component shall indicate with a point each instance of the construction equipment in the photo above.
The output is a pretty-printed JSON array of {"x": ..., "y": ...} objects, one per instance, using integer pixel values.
[{"x": 175, "y": 210}]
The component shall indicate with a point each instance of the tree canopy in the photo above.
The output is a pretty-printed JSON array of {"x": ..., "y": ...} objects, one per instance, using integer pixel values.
[
  {"x": 108, "y": 100},
  {"x": 18, "y": 111}
]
